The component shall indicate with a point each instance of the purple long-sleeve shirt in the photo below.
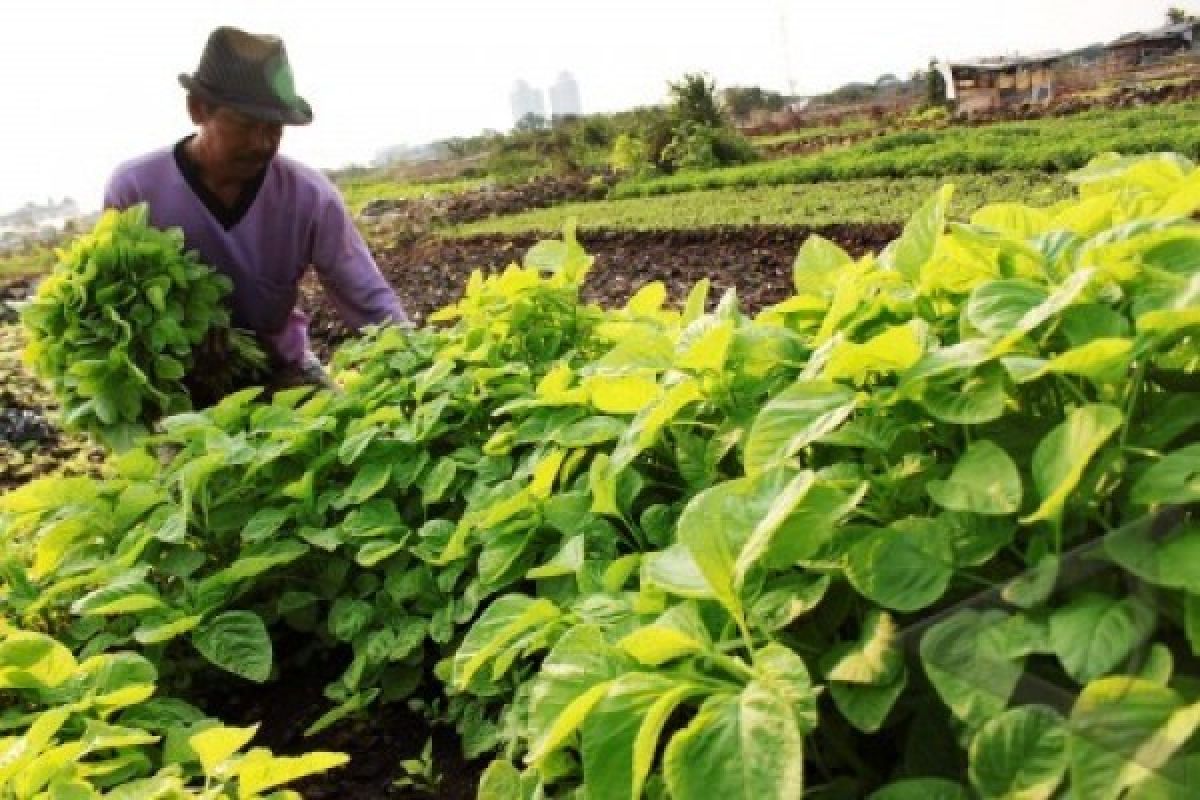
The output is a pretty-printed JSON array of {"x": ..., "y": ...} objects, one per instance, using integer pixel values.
[{"x": 291, "y": 218}]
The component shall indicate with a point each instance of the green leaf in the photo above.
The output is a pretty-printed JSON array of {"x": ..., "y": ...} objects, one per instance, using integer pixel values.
[
  {"x": 729, "y": 527},
  {"x": 260, "y": 770},
  {"x": 31, "y": 660},
  {"x": 906, "y": 567},
  {"x": 916, "y": 244},
  {"x": 995, "y": 308},
  {"x": 504, "y": 621},
  {"x": 817, "y": 264},
  {"x": 574, "y": 677},
  {"x": 871, "y": 659},
  {"x": 794, "y": 419},
  {"x": 984, "y": 481},
  {"x": 1061, "y": 458},
  {"x": 921, "y": 789},
  {"x": 1173, "y": 480},
  {"x": 1095, "y": 633},
  {"x": 1123, "y": 730},
  {"x": 1172, "y": 561},
  {"x": 1035, "y": 585},
  {"x": 236, "y": 641},
  {"x": 620, "y": 735},
  {"x": 979, "y": 398},
  {"x": 742, "y": 747},
  {"x": 1020, "y": 755},
  {"x": 967, "y": 667},
  {"x": 568, "y": 560},
  {"x": 866, "y": 706}
]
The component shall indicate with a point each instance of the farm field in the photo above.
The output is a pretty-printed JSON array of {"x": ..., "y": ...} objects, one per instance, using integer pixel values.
[
  {"x": 874, "y": 200},
  {"x": 1052, "y": 145},
  {"x": 809, "y": 466}
]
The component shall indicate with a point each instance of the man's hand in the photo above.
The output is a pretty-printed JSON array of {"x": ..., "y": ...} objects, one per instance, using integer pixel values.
[{"x": 310, "y": 373}]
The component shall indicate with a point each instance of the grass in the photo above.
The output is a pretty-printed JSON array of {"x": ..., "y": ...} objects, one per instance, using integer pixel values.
[
  {"x": 808, "y": 134},
  {"x": 38, "y": 260},
  {"x": 864, "y": 201},
  {"x": 1050, "y": 145},
  {"x": 358, "y": 194}
]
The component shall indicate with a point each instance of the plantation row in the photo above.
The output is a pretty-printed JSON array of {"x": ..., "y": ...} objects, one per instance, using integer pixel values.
[
  {"x": 921, "y": 530},
  {"x": 1051, "y": 145}
]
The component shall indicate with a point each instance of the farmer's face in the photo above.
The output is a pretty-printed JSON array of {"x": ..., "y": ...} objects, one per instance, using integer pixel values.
[{"x": 241, "y": 144}]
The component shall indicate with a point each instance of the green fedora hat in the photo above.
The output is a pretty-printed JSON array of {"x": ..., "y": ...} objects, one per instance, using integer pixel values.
[{"x": 249, "y": 73}]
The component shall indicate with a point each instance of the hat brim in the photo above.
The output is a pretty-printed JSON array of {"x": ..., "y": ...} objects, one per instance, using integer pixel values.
[{"x": 281, "y": 114}]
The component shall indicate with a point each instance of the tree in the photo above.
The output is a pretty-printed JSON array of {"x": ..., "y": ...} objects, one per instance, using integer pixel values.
[
  {"x": 694, "y": 99},
  {"x": 935, "y": 85},
  {"x": 530, "y": 122},
  {"x": 1177, "y": 16}
]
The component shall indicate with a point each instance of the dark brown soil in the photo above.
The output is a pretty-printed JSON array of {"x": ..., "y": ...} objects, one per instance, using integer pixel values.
[
  {"x": 430, "y": 272},
  {"x": 376, "y": 743}
]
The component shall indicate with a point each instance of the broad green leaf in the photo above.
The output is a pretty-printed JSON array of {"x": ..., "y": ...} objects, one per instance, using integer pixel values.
[
  {"x": 704, "y": 345},
  {"x": 921, "y": 789},
  {"x": 574, "y": 677},
  {"x": 504, "y": 621},
  {"x": 984, "y": 481},
  {"x": 815, "y": 269},
  {"x": 916, "y": 244},
  {"x": 621, "y": 394},
  {"x": 1172, "y": 560},
  {"x": 621, "y": 733},
  {"x": 1100, "y": 360},
  {"x": 728, "y": 527},
  {"x": 1020, "y": 755},
  {"x": 1122, "y": 730},
  {"x": 31, "y": 660},
  {"x": 215, "y": 745},
  {"x": 742, "y": 747},
  {"x": 675, "y": 570},
  {"x": 261, "y": 771},
  {"x": 1062, "y": 457},
  {"x": 906, "y": 567},
  {"x": 1094, "y": 634},
  {"x": 967, "y": 668},
  {"x": 896, "y": 349},
  {"x": 979, "y": 398},
  {"x": 866, "y": 706},
  {"x": 1035, "y": 585},
  {"x": 995, "y": 308},
  {"x": 236, "y": 641},
  {"x": 568, "y": 560},
  {"x": 794, "y": 419},
  {"x": 871, "y": 659},
  {"x": 1173, "y": 480}
]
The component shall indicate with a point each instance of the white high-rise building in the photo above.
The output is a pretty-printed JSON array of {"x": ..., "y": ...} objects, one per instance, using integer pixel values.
[
  {"x": 564, "y": 97},
  {"x": 525, "y": 101}
]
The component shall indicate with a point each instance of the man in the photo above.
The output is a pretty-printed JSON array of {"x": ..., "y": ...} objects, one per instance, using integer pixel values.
[{"x": 258, "y": 217}]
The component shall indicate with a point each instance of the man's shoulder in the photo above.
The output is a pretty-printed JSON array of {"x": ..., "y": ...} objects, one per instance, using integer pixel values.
[
  {"x": 304, "y": 178},
  {"x": 147, "y": 162}
]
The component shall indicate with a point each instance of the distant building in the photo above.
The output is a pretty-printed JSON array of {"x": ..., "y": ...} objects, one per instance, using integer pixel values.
[
  {"x": 564, "y": 97},
  {"x": 526, "y": 101},
  {"x": 1146, "y": 48},
  {"x": 988, "y": 83}
]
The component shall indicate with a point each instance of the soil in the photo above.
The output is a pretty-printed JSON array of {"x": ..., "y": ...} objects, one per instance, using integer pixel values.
[
  {"x": 423, "y": 214},
  {"x": 430, "y": 272},
  {"x": 376, "y": 743}
]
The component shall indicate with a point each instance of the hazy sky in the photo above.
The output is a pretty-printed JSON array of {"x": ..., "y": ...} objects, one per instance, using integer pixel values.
[{"x": 87, "y": 83}]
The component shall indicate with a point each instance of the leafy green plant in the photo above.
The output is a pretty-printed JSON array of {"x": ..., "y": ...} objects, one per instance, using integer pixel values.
[
  {"x": 922, "y": 529},
  {"x": 113, "y": 327},
  {"x": 420, "y": 773}
]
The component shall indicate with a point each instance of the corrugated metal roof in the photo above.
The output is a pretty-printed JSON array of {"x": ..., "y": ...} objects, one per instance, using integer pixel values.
[{"x": 1169, "y": 31}]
